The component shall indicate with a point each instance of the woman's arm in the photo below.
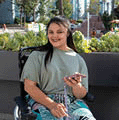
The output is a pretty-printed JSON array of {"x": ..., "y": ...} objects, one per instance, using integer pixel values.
[
  {"x": 31, "y": 88},
  {"x": 57, "y": 109},
  {"x": 78, "y": 90}
]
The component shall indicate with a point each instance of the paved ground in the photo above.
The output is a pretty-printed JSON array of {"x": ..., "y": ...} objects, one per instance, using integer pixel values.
[
  {"x": 7, "y": 104},
  {"x": 12, "y": 30},
  {"x": 4, "y": 116},
  {"x": 105, "y": 106}
]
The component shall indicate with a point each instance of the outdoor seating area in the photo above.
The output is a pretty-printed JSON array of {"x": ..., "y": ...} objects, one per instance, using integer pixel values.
[
  {"x": 103, "y": 84},
  {"x": 76, "y": 39}
]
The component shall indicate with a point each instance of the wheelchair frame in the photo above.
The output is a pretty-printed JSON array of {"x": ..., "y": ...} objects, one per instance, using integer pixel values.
[{"x": 22, "y": 111}]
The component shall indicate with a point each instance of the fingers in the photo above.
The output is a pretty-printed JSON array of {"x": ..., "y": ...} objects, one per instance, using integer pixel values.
[
  {"x": 74, "y": 79},
  {"x": 69, "y": 81},
  {"x": 79, "y": 75},
  {"x": 59, "y": 110},
  {"x": 64, "y": 107}
]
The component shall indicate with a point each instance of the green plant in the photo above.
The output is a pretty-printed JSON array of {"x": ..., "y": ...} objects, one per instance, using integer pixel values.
[
  {"x": 17, "y": 20},
  {"x": 107, "y": 43},
  {"x": 12, "y": 45},
  {"x": 80, "y": 21},
  {"x": 80, "y": 43},
  {"x": 78, "y": 40},
  {"x": 44, "y": 20},
  {"x": 4, "y": 39},
  {"x": 93, "y": 44},
  {"x": 32, "y": 40},
  {"x": 22, "y": 40},
  {"x": 42, "y": 38}
]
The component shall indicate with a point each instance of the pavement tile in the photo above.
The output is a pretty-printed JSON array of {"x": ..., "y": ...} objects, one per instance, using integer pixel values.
[{"x": 4, "y": 116}]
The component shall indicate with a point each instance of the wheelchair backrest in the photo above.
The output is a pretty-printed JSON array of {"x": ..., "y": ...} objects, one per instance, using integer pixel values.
[{"x": 22, "y": 58}]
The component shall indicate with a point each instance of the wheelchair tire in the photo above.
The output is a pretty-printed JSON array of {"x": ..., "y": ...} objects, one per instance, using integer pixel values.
[{"x": 17, "y": 113}]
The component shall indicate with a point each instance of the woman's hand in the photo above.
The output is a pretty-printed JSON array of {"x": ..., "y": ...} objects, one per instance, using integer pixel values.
[
  {"x": 58, "y": 110},
  {"x": 74, "y": 80}
]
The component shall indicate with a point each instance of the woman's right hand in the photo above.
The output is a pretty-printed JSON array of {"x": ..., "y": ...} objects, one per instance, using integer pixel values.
[{"x": 59, "y": 110}]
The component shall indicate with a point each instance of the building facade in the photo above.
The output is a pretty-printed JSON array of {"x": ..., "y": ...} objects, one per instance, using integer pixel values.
[
  {"x": 80, "y": 7},
  {"x": 105, "y": 6},
  {"x": 8, "y": 10}
]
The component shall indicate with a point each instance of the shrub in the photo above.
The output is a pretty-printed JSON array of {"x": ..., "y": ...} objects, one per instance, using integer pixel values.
[
  {"x": 4, "y": 39},
  {"x": 22, "y": 40},
  {"x": 32, "y": 40},
  {"x": 17, "y": 20},
  {"x": 107, "y": 43},
  {"x": 93, "y": 44},
  {"x": 80, "y": 43}
]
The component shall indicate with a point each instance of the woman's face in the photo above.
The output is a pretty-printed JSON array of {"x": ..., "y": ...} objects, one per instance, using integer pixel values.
[{"x": 57, "y": 35}]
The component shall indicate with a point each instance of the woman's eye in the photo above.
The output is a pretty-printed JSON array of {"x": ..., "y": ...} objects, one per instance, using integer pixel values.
[
  {"x": 60, "y": 32},
  {"x": 50, "y": 32}
]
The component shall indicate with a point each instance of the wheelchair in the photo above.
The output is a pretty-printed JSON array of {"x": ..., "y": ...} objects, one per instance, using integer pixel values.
[{"x": 22, "y": 110}]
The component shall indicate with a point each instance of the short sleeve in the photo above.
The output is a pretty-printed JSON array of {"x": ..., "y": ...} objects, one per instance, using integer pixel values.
[
  {"x": 84, "y": 70},
  {"x": 31, "y": 68}
]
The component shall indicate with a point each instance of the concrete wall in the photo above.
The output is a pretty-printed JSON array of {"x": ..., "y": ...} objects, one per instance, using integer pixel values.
[
  {"x": 103, "y": 68},
  {"x": 9, "y": 66}
]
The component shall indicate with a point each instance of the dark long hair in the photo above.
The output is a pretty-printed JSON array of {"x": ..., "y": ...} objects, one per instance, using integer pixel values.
[{"x": 48, "y": 47}]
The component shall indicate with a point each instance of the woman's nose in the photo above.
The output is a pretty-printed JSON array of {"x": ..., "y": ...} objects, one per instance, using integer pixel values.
[{"x": 55, "y": 35}]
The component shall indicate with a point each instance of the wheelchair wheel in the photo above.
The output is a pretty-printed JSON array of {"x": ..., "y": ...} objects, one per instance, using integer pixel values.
[{"x": 17, "y": 113}]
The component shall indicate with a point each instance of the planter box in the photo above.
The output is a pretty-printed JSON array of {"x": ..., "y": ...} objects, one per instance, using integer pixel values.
[
  {"x": 9, "y": 65},
  {"x": 103, "y": 68}
]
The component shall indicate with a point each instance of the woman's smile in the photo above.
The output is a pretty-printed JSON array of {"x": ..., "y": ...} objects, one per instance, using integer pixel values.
[{"x": 55, "y": 40}]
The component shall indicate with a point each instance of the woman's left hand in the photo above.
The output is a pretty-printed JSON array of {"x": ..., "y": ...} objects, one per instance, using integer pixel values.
[{"x": 74, "y": 80}]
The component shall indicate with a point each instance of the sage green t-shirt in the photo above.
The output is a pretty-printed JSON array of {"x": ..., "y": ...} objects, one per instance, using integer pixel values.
[{"x": 63, "y": 63}]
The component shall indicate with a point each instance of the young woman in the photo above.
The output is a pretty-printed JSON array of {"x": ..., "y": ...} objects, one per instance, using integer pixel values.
[{"x": 56, "y": 77}]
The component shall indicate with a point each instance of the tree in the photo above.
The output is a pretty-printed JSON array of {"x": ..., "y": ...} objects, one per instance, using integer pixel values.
[
  {"x": 52, "y": 10},
  {"x": 47, "y": 10},
  {"x": 66, "y": 6},
  {"x": 28, "y": 7},
  {"x": 94, "y": 7},
  {"x": 20, "y": 5},
  {"x": 42, "y": 7},
  {"x": 116, "y": 2},
  {"x": 61, "y": 7},
  {"x": 44, "y": 10}
]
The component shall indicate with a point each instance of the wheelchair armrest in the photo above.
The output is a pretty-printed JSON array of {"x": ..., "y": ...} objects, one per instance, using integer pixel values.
[
  {"x": 21, "y": 103},
  {"x": 26, "y": 114},
  {"x": 89, "y": 97}
]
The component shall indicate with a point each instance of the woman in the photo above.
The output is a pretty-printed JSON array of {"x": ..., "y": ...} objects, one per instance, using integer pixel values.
[{"x": 53, "y": 76}]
